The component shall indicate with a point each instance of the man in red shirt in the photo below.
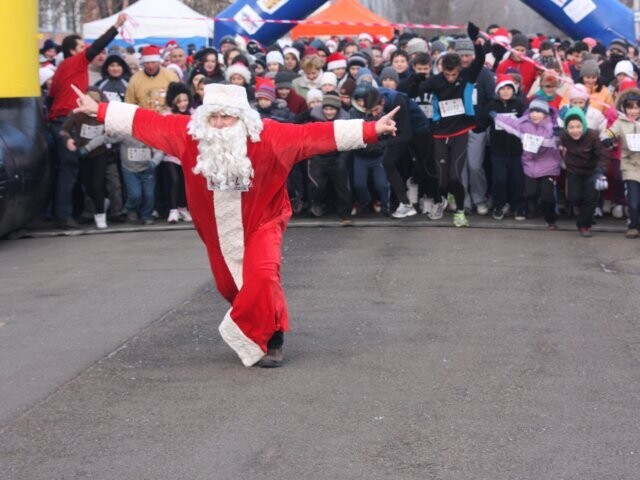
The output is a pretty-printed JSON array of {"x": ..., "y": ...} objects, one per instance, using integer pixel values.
[
  {"x": 61, "y": 100},
  {"x": 520, "y": 44}
]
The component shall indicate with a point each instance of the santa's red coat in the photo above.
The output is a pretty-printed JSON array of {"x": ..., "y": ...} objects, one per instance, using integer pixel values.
[{"x": 243, "y": 231}]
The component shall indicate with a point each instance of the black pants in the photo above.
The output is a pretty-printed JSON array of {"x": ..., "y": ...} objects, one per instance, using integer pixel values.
[
  {"x": 581, "y": 191},
  {"x": 450, "y": 155},
  {"x": 507, "y": 182},
  {"x": 425, "y": 170},
  {"x": 92, "y": 177},
  {"x": 544, "y": 190},
  {"x": 322, "y": 171},
  {"x": 390, "y": 160},
  {"x": 177, "y": 196}
]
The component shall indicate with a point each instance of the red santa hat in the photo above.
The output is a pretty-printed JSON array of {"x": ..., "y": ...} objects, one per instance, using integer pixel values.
[
  {"x": 237, "y": 69},
  {"x": 504, "y": 80},
  {"x": 501, "y": 35},
  {"x": 150, "y": 53},
  {"x": 365, "y": 36},
  {"x": 336, "y": 60}
]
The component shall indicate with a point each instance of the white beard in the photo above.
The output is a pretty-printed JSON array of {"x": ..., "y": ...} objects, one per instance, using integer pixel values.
[{"x": 222, "y": 158}]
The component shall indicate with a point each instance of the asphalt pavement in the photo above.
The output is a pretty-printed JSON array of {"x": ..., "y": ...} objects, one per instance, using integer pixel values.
[{"x": 415, "y": 353}]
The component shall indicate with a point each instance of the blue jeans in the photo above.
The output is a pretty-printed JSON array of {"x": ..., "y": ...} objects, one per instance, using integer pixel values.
[
  {"x": 140, "y": 191},
  {"x": 362, "y": 166},
  {"x": 633, "y": 201},
  {"x": 67, "y": 176}
]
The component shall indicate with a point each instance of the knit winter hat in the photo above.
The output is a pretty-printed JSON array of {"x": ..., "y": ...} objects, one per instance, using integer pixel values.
[
  {"x": 389, "y": 72},
  {"x": 504, "y": 80},
  {"x": 173, "y": 90},
  {"x": 336, "y": 60},
  {"x": 520, "y": 40},
  {"x": 329, "y": 78},
  {"x": 624, "y": 66},
  {"x": 578, "y": 92},
  {"x": 417, "y": 45},
  {"x": 437, "y": 47},
  {"x": 387, "y": 51},
  {"x": 575, "y": 113},
  {"x": 150, "y": 53},
  {"x": 364, "y": 75},
  {"x": 314, "y": 94},
  {"x": 464, "y": 46},
  {"x": 619, "y": 44},
  {"x": 237, "y": 69},
  {"x": 356, "y": 59},
  {"x": 267, "y": 90},
  {"x": 331, "y": 99},
  {"x": 589, "y": 68},
  {"x": 285, "y": 79},
  {"x": 293, "y": 51},
  {"x": 275, "y": 56},
  {"x": 539, "y": 105}
]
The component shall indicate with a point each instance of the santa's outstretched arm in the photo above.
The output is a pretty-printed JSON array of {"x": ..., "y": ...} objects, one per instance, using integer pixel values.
[
  {"x": 299, "y": 142},
  {"x": 163, "y": 132}
]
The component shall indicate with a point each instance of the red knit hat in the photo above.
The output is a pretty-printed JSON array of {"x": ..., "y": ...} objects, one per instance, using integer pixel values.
[
  {"x": 265, "y": 88},
  {"x": 150, "y": 53},
  {"x": 336, "y": 60}
]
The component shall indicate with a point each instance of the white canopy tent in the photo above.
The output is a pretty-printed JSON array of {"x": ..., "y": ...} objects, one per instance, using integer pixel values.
[{"x": 156, "y": 22}]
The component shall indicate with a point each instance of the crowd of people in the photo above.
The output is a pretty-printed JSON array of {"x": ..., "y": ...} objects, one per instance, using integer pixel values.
[{"x": 490, "y": 123}]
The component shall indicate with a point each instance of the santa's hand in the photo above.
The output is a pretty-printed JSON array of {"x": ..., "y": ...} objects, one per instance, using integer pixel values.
[
  {"x": 86, "y": 104},
  {"x": 386, "y": 125}
]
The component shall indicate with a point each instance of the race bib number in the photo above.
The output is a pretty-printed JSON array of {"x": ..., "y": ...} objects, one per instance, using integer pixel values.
[
  {"x": 112, "y": 96},
  {"x": 504, "y": 115},
  {"x": 91, "y": 131},
  {"x": 427, "y": 110},
  {"x": 451, "y": 108},
  {"x": 633, "y": 141},
  {"x": 235, "y": 186},
  {"x": 138, "y": 154},
  {"x": 531, "y": 143}
]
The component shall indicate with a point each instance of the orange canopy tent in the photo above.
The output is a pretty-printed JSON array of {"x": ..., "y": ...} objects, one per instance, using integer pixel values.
[{"x": 344, "y": 11}]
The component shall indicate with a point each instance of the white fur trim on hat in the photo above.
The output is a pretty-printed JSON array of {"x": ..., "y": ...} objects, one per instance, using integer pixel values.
[
  {"x": 293, "y": 51},
  {"x": 387, "y": 51},
  {"x": 45, "y": 73},
  {"x": 624, "y": 66},
  {"x": 248, "y": 350},
  {"x": 237, "y": 69},
  {"x": 275, "y": 56},
  {"x": 119, "y": 118},
  {"x": 348, "y": 134},
  {"x": 504, "y": 83},
  {"x": 176, "y": 68},
  {"x": 365, "y": 36},
  {"x": 341, "y": 63}
]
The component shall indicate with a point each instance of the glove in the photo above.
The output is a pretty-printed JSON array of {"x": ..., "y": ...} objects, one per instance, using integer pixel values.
[
  {"x": 556, "y": 131},
  {"x": 83, "y": 152},
  {"x": 473, "y": 31},
  {"x": 493, "y": 114},
  {"x": 607, "y": 142},
  {"x": 418, "y": 78},
  {"x": 601, "y": 182}
]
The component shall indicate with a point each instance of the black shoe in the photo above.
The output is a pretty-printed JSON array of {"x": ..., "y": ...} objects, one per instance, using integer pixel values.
[
  {"x": 273, "y": 359},
  {"x": 68, "y": 224},
  {"x": 498, "y": 213}
]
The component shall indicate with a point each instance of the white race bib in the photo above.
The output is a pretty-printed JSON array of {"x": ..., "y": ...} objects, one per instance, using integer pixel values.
[
  {"x": 138, "y": 154},
  {"x": 633, "y": 141},
  {"x": 112, "y": 96},
  {"x": 531, "y": 143},
  {"x": 450, "y": 108},
  {"x": 427, "y": 109},
  {"x": 91, "y": 131},
  {"x": 504, "y": 115}
]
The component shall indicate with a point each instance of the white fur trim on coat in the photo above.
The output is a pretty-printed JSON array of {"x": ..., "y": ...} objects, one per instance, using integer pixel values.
[
  {"x": 119, "y": 118},
  {"x": 348, "y": 134},
  {"x": 228, "y": 211},
  {"x": 248, "y": 351}
]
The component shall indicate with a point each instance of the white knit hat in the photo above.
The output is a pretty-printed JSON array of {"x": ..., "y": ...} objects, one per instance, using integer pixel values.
[
  {"x": 294, "y": 51},
  {"x": 329, "y": 78},
  {"x": 624, "y": 66},
  {"x": 239, "y": 69},
  {"x": 314, "y": 94},
  {"x": 275, "y": 56}
]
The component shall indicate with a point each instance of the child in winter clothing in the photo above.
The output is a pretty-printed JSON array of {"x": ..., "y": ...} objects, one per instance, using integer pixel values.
[
  {"x": 579, "y": 98},
  {"x": 76, "y": 132},
  {"x": 540, "y": 157},
  {"x": 627, "y": 132},
  {"x": 267, "y": 105},
  {"x": 178, "y": 101},
  {"x": 115, "y": 78},
  {"x": 586, "y": 161},
  {"x": 507, "y": 182}
]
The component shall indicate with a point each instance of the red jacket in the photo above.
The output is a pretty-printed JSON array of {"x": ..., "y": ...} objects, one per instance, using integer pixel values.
[{"x": 526, "y": 69}]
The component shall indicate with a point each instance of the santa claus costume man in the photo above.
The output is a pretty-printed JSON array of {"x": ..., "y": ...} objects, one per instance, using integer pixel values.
[{"x": 235, "y": 168}]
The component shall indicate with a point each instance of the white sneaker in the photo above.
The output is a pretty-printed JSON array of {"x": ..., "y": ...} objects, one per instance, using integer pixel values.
[
  {"x": 597, "y": 213},
  {"x": 426, "y": 205},
  {"x": 438, "y": 209},
  {"x": 101, "y": 220},
  {"x": 412, "y": 191},
  {"x": 184, "y": 214},
  {"x": 617, "y": 211},
  {"x": 482, "y": 209},
  {"x": 174, "y": 216},
  {"x": 404, "y": 210}
]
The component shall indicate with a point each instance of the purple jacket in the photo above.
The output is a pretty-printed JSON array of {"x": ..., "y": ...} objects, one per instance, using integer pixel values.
[{"x": 546, "y": 161}]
